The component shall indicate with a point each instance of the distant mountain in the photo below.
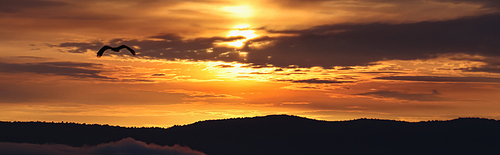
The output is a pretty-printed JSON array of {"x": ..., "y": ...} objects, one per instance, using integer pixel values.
[{"x": 281, "y": 134}]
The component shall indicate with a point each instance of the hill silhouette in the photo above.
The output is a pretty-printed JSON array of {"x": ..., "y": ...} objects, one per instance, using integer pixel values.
[{"x": 281, "y": 134}]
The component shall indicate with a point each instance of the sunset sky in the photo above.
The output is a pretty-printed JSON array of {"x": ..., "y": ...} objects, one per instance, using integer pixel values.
[{"x": 412, "y": 60}]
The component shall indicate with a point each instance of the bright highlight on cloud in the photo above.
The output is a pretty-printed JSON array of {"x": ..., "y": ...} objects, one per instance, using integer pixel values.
[
  {"x": 127, "y": 146},
  {"x": 241, "y": 30}
]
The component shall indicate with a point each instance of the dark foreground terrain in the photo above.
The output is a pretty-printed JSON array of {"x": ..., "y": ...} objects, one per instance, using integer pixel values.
[{"x": 281, "y": 135}]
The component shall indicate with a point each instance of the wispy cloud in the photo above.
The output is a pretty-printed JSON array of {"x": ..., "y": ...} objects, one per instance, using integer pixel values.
[
  {"x": 317, "y": 81},
  {"x": 34, "y": 57},
  {"x": 490, "y": 68},
  {"x": 204, "y": 96},
  {"x": 434, "y": 96},
  {"x": 441, "y": 79},
  {"x": 72, "y": 69},
  {"x": 197, "y": 95},
  {"x": 484, "y": 3},
  {"x": 170, "y": 47}
]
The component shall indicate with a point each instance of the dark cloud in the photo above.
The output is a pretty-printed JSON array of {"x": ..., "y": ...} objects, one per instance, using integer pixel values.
[
  {"x": 225, "y": 66},
  {"x": 491, "y": 68},
  {"x": 379, "y": 72},
  {"x": 127, "y": 146},
  {"x": 72, "y": 69},
  {"x": 259, "y": 73},
  {"x": 492, "y": 65},
  {"x": 331, "y": 45},
  {"x": 301, "y": 3},
  {"x": 82, "y": 47},
  {"x": 346, "y": 68},
  {"x": 441, "y": 79},
  {"x": 484, "y": 3},
  {"x": 170, "y": 47},
  {"x": 12, "y": 6},
  {"x": 362, "y": 44},
  {"x": 70, "y": 64},
  {"x": 317, "y": 81},
  {"x": 159, "y": 74},
  {"x": 405, "y": 96},
  {"x": 136, "y": 80},
  {"x": 34, "y": 57}
]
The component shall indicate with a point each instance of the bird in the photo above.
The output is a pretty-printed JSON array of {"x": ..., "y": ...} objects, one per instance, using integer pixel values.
[{"x": 116, "y": 49}]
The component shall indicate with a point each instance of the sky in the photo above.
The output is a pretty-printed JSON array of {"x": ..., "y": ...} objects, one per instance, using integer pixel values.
[{"x": 412, "y": 60}]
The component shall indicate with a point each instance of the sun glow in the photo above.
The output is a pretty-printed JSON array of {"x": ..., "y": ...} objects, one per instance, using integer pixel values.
[
  {"x": 242, "y": 11},
  {"x": 241, "y": 30}
]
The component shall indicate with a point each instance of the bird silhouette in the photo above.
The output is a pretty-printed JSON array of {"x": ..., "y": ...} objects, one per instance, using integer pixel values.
[{"x": 116, "y": 49}]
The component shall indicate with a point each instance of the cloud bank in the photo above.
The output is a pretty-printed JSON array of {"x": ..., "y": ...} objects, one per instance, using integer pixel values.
[
  {"x": 127, "y": 146},
  {"x": 440, "y": 79},
  {"x": 330, "y": 45},
  {"x": 362, "y": 44},
  {"x": 65, "y": 68}
]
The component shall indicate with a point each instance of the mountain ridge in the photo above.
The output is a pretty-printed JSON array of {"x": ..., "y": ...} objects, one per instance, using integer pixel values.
[{"x": 281, "y": 134}]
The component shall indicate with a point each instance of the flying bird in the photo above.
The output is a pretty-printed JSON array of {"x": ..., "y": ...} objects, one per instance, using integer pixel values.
[{"x": 116, "y": 49}]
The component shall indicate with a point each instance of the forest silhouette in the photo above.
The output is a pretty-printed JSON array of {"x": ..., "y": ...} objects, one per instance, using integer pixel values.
[{"x": 280, "y": 134}]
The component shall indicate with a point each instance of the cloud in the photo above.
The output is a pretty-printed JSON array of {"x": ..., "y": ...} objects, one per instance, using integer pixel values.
[
  {"x": 332, "y": 45},
  {"x": 170, "y": 47},
  {"x": 13, "y": 6},
  {"x": 225, "y": 66},
  {"x": 484, "y": 3},
  {"x": 29, "y": 19},
  {"x": 198, "y": 95},
  {"x": 294, "y": 103},
  {"x": 441, "y": 79},
  {"x": 82, "y": 47},
  {"x": 127, "y": 146},
  {"x": 492, "y": 66},
  {"x": 34, "y": 57},
  {"x": 83, "y": 71},
  {"x": 301, "y": 3},
  {"x": 159, "y": 74},
  {"x": 298, "y": 3},
  {"x": 72, "y": 69},
  {"x": 316, "y": 81},
  {"x": 204, "y": 96},
  {"x": 405, "y": 96},
  {"x": 362, "y": 44}
]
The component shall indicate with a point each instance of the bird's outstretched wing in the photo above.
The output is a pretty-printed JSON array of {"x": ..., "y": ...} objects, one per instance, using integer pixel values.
[
  {"x": 101, "y": 51},
  {"x": 130, "y": 49}
]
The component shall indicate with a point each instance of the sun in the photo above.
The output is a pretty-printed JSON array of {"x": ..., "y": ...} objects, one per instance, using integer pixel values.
[{"x": 241, "y": 30}]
